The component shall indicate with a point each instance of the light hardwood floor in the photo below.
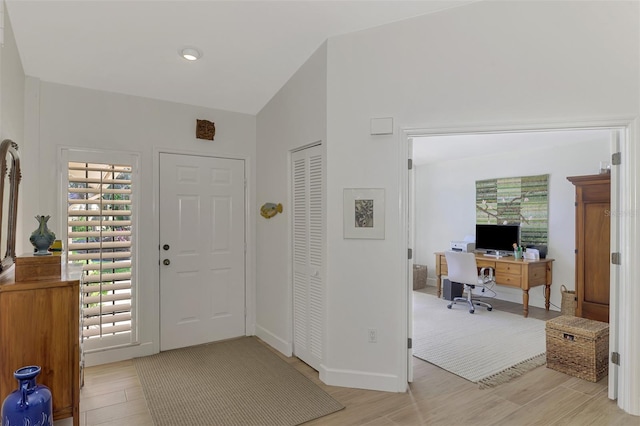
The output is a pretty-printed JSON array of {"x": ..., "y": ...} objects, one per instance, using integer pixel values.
[{"x": 112, "y": 396}]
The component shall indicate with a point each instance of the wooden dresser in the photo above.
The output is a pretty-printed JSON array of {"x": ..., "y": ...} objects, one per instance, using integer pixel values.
[
  {"x": 40, "y": 325},
  {"x": 593, "y": 227}
]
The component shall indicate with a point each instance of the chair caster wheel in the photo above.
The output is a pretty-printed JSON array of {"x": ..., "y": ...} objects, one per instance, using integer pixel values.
[
  {"x": 471, "y": 311},
  {"x": 489, "y": 309},
  {"x": 449, "y": 306}
]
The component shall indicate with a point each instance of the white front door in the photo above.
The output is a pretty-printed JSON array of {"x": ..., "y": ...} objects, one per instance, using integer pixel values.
[{"x": 202, "y": 255}]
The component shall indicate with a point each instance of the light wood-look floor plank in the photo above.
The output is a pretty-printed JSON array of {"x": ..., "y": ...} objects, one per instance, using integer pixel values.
[{"x": 112, "y": 396}]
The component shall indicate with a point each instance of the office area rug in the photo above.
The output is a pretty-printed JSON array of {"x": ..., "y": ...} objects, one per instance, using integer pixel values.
[
  {"x": 234, "y": 382},
  {"x": 487, "y": 348}
]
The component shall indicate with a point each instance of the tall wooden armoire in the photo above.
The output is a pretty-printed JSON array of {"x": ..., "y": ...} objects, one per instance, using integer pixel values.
[{"x": 593, "y": 217}]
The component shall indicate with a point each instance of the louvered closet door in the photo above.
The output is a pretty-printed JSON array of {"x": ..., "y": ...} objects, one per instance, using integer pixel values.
[{"x": 308, "y": 255}]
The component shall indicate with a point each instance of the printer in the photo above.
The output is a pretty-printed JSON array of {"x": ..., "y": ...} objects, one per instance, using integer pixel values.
[{"x": 465, "y": 246}]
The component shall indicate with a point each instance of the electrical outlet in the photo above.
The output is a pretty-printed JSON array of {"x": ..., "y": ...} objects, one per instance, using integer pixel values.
[{"x": 373, "y": 335}]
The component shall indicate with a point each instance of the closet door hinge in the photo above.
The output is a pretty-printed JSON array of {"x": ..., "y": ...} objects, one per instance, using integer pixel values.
[
  {"x": 615, "y": 358},
  {"x": 409, "y": 343},
  {"x": 616, "y": 158},
  {"x": 410, "y": 164},
  {"x": 410, "y": 254},
  {"x": 616, "y": 258}
]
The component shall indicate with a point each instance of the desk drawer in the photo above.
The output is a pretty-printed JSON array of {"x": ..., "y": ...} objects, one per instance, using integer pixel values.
[
  {"x": 508, "y": 268},
  {"x": 509, "y": 280},
  {"x": 486, "y": 263},
  {"x": 509, "y": 274}
]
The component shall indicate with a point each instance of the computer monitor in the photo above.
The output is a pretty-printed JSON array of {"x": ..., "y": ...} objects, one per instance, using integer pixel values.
[{"x": 497, "y": 238}]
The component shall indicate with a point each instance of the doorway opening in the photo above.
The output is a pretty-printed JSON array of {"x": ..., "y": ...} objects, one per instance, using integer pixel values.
[{"x": 431, "y": 223}]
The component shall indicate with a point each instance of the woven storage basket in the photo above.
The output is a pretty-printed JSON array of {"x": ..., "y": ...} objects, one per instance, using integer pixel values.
[
  {"x": 568, "y": 303},
  {"x": 419, "y": 276},
  {"x": 578, "y": 347}
]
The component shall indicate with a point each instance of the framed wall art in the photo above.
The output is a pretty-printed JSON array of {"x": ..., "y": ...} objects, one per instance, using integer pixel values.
[
  {"x": 364, "y": 213},
  {"x": 521, "y": 200}
]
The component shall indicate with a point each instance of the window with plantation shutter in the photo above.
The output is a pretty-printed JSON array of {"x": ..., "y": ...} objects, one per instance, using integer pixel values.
[{"x": 100, "y": 236}]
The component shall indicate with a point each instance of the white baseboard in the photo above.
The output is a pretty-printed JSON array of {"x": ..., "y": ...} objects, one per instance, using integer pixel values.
[
  {"x": 282, "y": 346},
  {"x": 118, "y": 354}
]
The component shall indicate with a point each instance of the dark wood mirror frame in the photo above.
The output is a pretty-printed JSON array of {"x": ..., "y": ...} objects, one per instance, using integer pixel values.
[{"x": 10, "y": 176}]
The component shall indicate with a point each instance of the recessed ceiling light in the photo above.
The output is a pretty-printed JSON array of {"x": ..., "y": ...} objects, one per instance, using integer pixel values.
[{"x": 190, "y": 53}]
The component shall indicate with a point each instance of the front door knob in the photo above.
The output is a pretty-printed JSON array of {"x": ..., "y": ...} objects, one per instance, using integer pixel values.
[{"x": 166, "y": 262}]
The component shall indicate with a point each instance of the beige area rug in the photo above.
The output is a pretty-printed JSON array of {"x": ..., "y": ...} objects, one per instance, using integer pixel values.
[
  {"x": 487, "y": 348},
  {"x": 235, "y": 382}
]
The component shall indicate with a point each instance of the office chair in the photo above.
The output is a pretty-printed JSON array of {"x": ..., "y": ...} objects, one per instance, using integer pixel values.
[{"x": 462, "y": 269}]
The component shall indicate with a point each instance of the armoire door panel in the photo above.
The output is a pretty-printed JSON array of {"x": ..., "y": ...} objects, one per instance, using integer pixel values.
[
  {"x": 596, "y": 250},
  {"x": 593, "y": 233}
]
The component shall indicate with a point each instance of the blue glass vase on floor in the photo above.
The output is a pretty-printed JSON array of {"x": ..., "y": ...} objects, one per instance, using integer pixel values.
[
  {"x": 30, "y": 404},
  {"x": 42, "y": 238}
]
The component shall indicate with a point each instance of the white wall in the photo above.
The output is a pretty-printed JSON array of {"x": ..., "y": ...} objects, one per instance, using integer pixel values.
[
  {"x": 12, "y": 88},
  {"x": 12, "y": 83},
  {"x": 64, "y": 116},
  {"x": 295, "y": 117},
  {"x": 488, "y": 62},
  {"x": 445, "y": 205}
]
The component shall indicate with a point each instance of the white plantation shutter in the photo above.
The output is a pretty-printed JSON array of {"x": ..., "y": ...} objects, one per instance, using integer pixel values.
[
  {"x": 100, "y": 236},
  {"x": 308, "y": 255}
]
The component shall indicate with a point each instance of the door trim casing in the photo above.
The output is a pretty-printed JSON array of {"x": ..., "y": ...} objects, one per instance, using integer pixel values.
[{"x": 620, "y": 378}]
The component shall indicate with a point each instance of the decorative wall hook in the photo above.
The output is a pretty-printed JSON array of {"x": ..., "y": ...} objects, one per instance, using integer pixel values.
[{"x": 269, "y": 210}]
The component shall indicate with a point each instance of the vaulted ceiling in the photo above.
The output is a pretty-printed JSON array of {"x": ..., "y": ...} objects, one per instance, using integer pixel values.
[{"x": 250, "y": 48}]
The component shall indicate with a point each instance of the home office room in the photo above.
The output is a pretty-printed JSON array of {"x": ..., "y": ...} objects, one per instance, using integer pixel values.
[
  {"x": 535, "y": 203},
  {"x": 445, "y": 191}
]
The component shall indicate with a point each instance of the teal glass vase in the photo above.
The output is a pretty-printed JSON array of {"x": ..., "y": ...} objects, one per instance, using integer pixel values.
[{"x": 42, "y": 238}]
